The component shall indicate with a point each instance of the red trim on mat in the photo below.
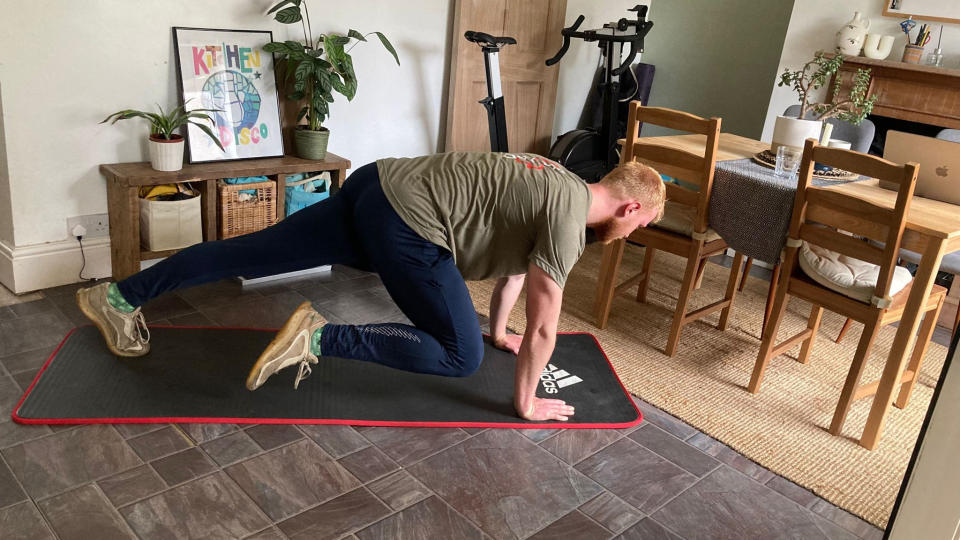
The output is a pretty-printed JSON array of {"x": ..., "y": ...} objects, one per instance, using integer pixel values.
[{"x": 319, "y": 421}]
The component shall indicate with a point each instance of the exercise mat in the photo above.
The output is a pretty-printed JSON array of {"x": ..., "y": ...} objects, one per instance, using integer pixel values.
[{"x": 197, "y": 375}]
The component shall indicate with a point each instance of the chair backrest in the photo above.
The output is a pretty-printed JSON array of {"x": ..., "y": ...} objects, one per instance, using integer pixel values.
[
  {"x": 815, "y": 207},
  {"x": 690, "y": 167},
  {"x": 859, "y": 136}
]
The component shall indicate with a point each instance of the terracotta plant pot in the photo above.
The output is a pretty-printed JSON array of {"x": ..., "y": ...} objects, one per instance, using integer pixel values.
[
  {"x": 311, "y": 144},
  {"x": 166, "y": 154}
]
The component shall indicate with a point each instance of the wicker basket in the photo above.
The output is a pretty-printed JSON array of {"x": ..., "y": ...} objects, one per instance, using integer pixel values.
[{"x": 238, "y": 216}]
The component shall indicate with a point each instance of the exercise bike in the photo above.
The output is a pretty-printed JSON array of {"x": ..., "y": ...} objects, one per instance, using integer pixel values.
[
  {"x": 592, "y": 153},
  {"x": 496, "y": 117}
]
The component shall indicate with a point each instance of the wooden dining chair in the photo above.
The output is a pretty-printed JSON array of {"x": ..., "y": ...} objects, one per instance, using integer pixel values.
[
  {"x": 817, "y": 238},
  {"x": 683, "y": 230}
]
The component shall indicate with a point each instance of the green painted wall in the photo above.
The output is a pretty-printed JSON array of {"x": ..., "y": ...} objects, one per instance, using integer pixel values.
[{"x": 717, "y": 58}]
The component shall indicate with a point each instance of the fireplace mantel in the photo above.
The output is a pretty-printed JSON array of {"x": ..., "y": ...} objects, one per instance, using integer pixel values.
[{"x": 918, "y": 93}]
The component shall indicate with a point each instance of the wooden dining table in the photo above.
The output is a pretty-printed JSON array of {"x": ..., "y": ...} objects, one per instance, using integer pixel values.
[{"x": 932, "y": 229}]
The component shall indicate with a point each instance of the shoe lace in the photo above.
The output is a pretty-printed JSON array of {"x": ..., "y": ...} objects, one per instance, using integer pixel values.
[
  {"x": 141, "y": 325},
  {"x": 305, "y": 370}
]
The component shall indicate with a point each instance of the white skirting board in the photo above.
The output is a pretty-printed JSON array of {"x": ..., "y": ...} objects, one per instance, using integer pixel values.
[
  {"x": 30, "y": 268},
  {"x": 299, "y": 273}
]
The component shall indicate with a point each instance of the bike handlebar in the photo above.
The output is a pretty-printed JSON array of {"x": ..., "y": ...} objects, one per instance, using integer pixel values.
[
  {"x": 635, "y": 40},
  {"x": 566, "y": 33}
]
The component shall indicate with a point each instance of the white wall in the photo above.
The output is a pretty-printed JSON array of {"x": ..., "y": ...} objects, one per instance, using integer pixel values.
[{"x": 813, "y": 26}]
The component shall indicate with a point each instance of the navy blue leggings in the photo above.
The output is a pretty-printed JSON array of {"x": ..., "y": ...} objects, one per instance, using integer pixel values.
[{"x": 356, "y": 227}]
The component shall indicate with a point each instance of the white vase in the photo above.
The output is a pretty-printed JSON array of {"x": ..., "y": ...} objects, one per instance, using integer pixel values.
[
  {"x": 850, "y": 37},
  {"x": 789, "y": 131},
  {"x": 877, "y": 46},
  {"x": 166, "y": 154}
]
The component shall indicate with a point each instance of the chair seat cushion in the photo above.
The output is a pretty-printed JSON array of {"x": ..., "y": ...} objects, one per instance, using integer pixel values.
[
  {"x": 679, "y": 218},
  {"x": 848, "y": 276}
]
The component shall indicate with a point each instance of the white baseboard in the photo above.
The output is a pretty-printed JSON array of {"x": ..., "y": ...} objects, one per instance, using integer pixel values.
[
  {"x": 299, "y": 273},
  {"x": 30, "y": 268}
]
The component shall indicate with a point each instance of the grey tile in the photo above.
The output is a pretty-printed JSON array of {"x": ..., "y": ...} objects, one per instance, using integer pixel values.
[
  {"x": 84, "y": 514},
  {"x": 27, "y": 360},
  {"x": 727, "y": 455},
  {"x": 572, "y": 445},
  {"x": 399, "y": 490},
  {"x": 182, "y": 466},
  {"x": 332, "y": 519},
  {"x": 473, "y": 430},
  {"x": 132, "y": 485},
  {"x": 362, "y": 283},
  {"x": 665, "y": 421},
  {"x": 672, "y": 448},
  {"x": 201, "y": 433},
  {"x": 574, "y": 526},
  {"x": 130, "y": 430},
  {"x": 32, "y": 332},
  {"x": 162, "y": 442},
  {"x": 12, "y": 433},
  {"x": 267, "y": 534},
  {"x": 337, "y": 441},
  {"x": 538, "y": 435},
  {"x": 611, "y": 512},
  {"x": 67, "y": 306},
  {"x": 505, "y": 483},
  {"x": 636, "y": 475},
  {"x": 214, "y": 294},
  {"x": 24, "y": 522},
  {"x": 270, "y": 436},
  {"x": 431, "y": 518},
  {"x": 24, "y": 379},
  {"x": 795, "y": 493},
  {"x": 841, "y": 517},
  {"x": 256, "y": 311},
  {"x": 835, "y": 532},
  {"x": 649, "y": 529},
  {"x": 368, "y": 464},
  {"x": 33, "y": 307},
  {"x": 69, "y": 458},
  {"x": 10, "y": 394},
  {"x": 728, "y": 501},
  {"x": 292, "y": 478},
  {"x": 209, "y": 507},
  {"x": 231, "y": 448},
  {"x": 10, "y": 491},
  {"x": 409, "y": 445},
  {"x": 357, "y": 307},
  {"x": 166, "y": 306}
]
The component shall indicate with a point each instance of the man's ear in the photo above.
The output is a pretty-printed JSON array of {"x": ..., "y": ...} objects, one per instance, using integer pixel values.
[{"x": 629, "y": 208}]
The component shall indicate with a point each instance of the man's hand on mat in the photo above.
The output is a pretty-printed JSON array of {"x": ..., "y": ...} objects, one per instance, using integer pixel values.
[
  {"x": 547, "y": 409},
  {"x": 509, "y": 342}
]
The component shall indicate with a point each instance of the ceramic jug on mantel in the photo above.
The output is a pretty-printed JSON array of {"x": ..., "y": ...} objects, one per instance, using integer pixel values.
[{"x": 850, "y": 37}]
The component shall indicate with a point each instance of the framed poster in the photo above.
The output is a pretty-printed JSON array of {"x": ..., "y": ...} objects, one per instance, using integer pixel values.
[
  {"x": 946, "y": 11},
  {"x": 228, "y": 70}
]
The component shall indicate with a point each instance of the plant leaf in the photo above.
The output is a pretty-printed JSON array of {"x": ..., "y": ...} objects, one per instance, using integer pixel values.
[
  {"x": 206, "y": 129},
  {"x": 303, "y": 72},
  {"x": 281, "y": 4},
  {"x": 289, "y": 15},
  {"x": 276, "y": 47},
  {"x": 356, "y": 35},
  {"x": 388, "y": 46}
]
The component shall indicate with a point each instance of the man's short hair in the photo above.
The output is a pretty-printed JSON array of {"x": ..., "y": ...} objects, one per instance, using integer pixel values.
[{"x": 634, "y": 180}]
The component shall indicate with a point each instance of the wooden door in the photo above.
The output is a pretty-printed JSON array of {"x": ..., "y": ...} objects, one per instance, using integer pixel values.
[{"x": 529, "y": 86}]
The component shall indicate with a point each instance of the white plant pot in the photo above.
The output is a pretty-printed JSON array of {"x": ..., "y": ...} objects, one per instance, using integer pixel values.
[
  {"x": 788, "y": 131},
  {"x": 166, "y": 155}
]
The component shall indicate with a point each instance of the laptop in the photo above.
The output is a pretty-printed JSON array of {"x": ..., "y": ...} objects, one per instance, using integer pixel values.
[{"x": 939, "y": 175}]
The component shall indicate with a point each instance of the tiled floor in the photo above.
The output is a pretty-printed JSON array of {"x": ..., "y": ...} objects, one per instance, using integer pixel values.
[{"x": 662, "y": 479}]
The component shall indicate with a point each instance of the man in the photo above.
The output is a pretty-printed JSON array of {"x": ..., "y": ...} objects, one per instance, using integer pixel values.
[{"x": 424, "y": 224}]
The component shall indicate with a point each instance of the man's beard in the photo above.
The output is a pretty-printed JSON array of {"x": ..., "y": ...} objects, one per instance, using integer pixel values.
[{"x": 610, "y": 230}]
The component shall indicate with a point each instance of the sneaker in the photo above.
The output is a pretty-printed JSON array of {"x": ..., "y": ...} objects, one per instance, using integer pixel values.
[
  {"x": 291, "y": 346},
  {"x": 126, "y": 334}
]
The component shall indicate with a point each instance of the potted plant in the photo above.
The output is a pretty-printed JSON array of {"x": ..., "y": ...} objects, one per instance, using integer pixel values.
[
  {"x": 852, "y": 108},
  {"x": 316, "y": 68},
  {"x": 166, "y": 147}
]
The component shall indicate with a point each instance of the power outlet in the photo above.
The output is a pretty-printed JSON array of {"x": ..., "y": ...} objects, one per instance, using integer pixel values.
[{"x": 95, "y": 224}]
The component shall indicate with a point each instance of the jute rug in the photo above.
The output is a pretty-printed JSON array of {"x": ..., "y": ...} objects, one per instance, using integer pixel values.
[{"x": 783, "y": 427}]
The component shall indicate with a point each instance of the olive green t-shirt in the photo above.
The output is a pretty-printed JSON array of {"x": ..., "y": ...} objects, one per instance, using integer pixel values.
[{"x": 495, "y": 212}]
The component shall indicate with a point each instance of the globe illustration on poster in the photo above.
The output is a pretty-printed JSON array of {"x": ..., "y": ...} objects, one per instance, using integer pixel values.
[{"x": 235, "y": 95}]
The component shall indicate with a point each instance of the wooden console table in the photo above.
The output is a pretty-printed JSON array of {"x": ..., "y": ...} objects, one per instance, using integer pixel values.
[
  {"x": 125, "y": 179},
  {"x": 914, "y": 92}
]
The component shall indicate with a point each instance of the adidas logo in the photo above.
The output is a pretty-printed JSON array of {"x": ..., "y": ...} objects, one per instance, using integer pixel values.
[{"x": 554, "y": 378}]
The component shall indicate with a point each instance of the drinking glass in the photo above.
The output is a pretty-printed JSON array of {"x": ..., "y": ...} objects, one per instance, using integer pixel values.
[{"x": 788, "y": 161}]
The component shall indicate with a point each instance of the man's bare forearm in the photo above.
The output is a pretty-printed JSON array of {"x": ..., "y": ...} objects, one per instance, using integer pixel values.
[
  {"x": 504, "y": 297},
  {"x": 535, "y": 352}
]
